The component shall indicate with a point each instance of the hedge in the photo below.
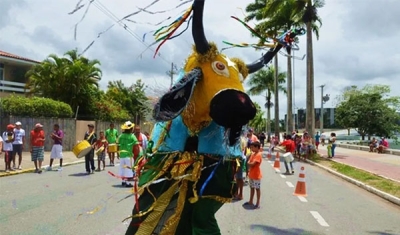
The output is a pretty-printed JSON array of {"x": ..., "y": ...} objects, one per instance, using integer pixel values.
[{"x": 35, "y": 107}]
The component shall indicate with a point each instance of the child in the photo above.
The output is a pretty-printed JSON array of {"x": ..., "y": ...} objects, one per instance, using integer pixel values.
[
  {"x": 255, "y": 175},
  {"x": 101, "y": 157},
  {"x": 239, "y": 174},
  {"x": 329, "y": 148},
  {"x": 8, "y": 139}
]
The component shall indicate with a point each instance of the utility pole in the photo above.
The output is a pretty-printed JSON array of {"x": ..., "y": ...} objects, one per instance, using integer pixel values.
[
  {"x": 324, "y": 99},
  {"x": 172, "y": 72}
]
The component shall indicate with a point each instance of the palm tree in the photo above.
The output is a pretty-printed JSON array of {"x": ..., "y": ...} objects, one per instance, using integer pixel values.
[
  {"x": 283, "y": 15},
  {"x": 264, "y": 81},
  {"x": 258, "y": 122},
  {"x": 72, "y": 79}
]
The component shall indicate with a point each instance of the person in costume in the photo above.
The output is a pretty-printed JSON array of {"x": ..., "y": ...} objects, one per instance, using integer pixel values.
[
  {"x": 126, "y": 142},
  {"x": 193, "y": 153}
]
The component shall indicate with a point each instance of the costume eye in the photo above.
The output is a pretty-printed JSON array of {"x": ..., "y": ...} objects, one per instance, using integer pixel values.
[{"x": 220, "y": 68}]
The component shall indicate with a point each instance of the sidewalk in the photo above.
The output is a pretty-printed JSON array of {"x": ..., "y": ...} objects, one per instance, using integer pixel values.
[
  {"x": 385, "y": 165},
  {"x": 28, "y": 166}
]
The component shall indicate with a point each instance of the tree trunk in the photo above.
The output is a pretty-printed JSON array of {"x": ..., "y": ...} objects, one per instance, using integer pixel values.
[
  {"x": 289, "y": 119},
  {"x": 268, "y": 116},
  {"x": 310, "y": 112},
  {"x": 276, "y": 96}
]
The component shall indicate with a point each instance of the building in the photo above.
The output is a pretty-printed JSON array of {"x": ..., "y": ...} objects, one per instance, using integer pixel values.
[
  {"x": 12, "y": 73},
  {"x": 329, "y": 118}
]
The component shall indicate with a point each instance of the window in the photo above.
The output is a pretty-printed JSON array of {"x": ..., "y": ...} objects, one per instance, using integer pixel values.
[{"x": 1, "y": 72}]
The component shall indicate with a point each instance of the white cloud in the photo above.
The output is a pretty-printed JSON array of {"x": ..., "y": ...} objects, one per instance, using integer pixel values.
[{"x": 357, "y": 42}]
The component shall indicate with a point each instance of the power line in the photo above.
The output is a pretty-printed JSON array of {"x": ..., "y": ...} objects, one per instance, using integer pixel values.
[{"x": 113, "y": 17}]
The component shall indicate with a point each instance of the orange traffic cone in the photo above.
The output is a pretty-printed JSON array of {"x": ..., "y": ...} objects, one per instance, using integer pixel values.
[
  {"x": 301, "y": 184},
  {"x": 277, "y": 163}
]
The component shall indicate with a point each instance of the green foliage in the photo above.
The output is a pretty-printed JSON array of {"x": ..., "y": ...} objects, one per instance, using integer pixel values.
[
  {"x": 35, "y": 107},
  {"x": 110, "y": 110},
  {"x": 369, "y": 110},
  {"x": 258, "y": 122},
  {"x": 72, "y": 79},
  {"x": 132, "y": 98}
]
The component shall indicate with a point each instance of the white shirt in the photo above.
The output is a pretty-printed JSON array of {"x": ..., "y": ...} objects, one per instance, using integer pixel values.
[
  {"x": 18, "y": 135},
  {"x": 6, "y": 146}
]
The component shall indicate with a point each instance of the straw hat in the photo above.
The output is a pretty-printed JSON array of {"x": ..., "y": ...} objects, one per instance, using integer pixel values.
[{"x": 127, "y": 125}]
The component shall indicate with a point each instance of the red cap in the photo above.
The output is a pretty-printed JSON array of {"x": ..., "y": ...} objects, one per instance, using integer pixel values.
[{"x": 10, "y": 126}]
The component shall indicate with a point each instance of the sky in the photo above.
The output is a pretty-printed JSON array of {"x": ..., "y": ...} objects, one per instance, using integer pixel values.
[{"x": 358, "y": 42}]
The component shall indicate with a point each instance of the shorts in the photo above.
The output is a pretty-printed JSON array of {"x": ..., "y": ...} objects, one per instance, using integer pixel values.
[
  {"x": 8, "y": 156},
  {"x": 37, "y": 153},
  {"x": 239, "y": 173},
  {"x": 255, "y": 183},
  {"x": 56, "y": 152},
  {"x": 101, "y": 156},
  {"x": 17, "y": 149},
  {"x": 317, "y": 143}
]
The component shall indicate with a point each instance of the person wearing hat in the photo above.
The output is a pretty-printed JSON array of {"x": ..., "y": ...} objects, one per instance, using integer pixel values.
[
  {"x": 18, "y": 144},
  {"x": 126, "y": 142},
  {"x": 8, "y": 139},
  {"x": 90, "y": 136},
  {"x": 37, "y": 147}
]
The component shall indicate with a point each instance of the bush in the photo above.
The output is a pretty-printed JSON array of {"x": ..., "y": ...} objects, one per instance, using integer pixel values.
[
  {"x": 109, "y": 110},
  {"x": 35, "y": 107}
]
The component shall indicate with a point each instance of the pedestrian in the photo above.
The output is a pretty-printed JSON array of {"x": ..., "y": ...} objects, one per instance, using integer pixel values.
[
  {"x": 255, "y": 174},
  {"x": 37, "y": 147},
  {"x": 111, "y": 137},
  {"x": 142, "y": 139},
  {"x": 317, "y": 137},
  {"x": 18, "y": 144},
  {"x": 290, "y": 147},
  {"x": 8, "y": 139},
  {"x": 1, "y": 149},
  {"x": 90, "y": 136},
  {"x": 239, "y": 171},
  {"x": 262, "y": 138},
  {"x": 101, "y": 155},
  {"x": 126, "y": 142},
  {"x": 333, "y": 141},
  {"x": 56, "y": 151}
]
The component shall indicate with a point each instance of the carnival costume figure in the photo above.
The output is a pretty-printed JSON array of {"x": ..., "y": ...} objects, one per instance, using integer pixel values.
[{"x": 194, "y": 150}]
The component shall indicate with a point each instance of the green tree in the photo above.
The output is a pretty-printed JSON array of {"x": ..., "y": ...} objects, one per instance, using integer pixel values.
[
  {"x": 278, "y": 15},
  {"x": 72, "y": 79},
  {"x": 258, "y": 122},
  {"x": 369, "y": 110},
  {"x": 132, "y": 98},
  {"x": 264, "y": 81}
]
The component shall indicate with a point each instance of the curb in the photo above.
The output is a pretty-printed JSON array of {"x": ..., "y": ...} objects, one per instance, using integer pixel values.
[
  {"x": 373, "y": 190},
  {"x": 29, "y": 170}
]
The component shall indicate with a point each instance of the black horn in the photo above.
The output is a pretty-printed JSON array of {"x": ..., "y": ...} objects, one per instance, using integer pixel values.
[
  {"x": 199, "y": 37},
  {"x": 265, "y": 59}
]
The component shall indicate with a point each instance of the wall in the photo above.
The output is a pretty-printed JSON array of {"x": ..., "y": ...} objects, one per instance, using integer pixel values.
[{"x": 73, "y": 130}]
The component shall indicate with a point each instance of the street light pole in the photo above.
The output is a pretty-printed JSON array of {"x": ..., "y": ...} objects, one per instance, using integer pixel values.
[{"x": 321, "y": 115}]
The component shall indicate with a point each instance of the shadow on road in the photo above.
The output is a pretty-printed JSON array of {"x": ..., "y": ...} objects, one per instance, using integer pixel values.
[
  {"x": 381, "y": 233},
  {"x": 277, "y": 231},
  {"x": 81, "y": 174}
]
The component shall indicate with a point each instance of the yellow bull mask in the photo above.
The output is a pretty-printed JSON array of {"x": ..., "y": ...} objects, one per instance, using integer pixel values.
[{"x": 211, "y": 89}]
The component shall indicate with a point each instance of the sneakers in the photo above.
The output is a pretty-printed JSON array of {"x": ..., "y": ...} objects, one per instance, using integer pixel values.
[
  {"x": 49, "y": 168},
  {"x": 60, "y": 169},
  {"x": 19, "y": 168}
]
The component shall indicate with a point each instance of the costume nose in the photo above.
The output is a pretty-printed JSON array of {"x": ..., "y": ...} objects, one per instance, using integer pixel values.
[{"x": 232, "y": 108}]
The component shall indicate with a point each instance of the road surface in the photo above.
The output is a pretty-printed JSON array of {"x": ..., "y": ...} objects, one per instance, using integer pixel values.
[{"x": 69, "y": 203}]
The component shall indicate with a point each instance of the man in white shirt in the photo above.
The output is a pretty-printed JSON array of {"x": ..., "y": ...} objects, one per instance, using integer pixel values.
[
  {"x": 8, "y": 139},
  {"x": 18, "y": 144}
]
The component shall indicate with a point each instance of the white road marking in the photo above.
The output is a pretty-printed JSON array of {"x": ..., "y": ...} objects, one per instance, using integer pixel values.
[
  {"x": 289, "y": 184},
  {"x": 283, "y": 176},
  {"x": 319, "y": 218},
  {"x": 303, "y": 199}
]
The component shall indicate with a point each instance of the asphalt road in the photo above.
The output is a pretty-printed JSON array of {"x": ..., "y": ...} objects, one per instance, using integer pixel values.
[{"x": 67, "y": 202}]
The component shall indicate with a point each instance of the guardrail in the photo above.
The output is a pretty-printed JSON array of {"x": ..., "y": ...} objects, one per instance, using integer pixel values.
[
  {"x": 366, "y": 148},
  {"x": 17, "y": 87}
]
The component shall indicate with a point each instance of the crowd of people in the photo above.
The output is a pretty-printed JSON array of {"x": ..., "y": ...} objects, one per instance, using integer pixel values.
[
  {"x": 293, "y": 145},
  {"x": 132, "y": 144}
]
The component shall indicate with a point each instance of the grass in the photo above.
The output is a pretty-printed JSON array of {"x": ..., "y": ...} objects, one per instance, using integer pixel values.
[{"x": 385, "y": 185}]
